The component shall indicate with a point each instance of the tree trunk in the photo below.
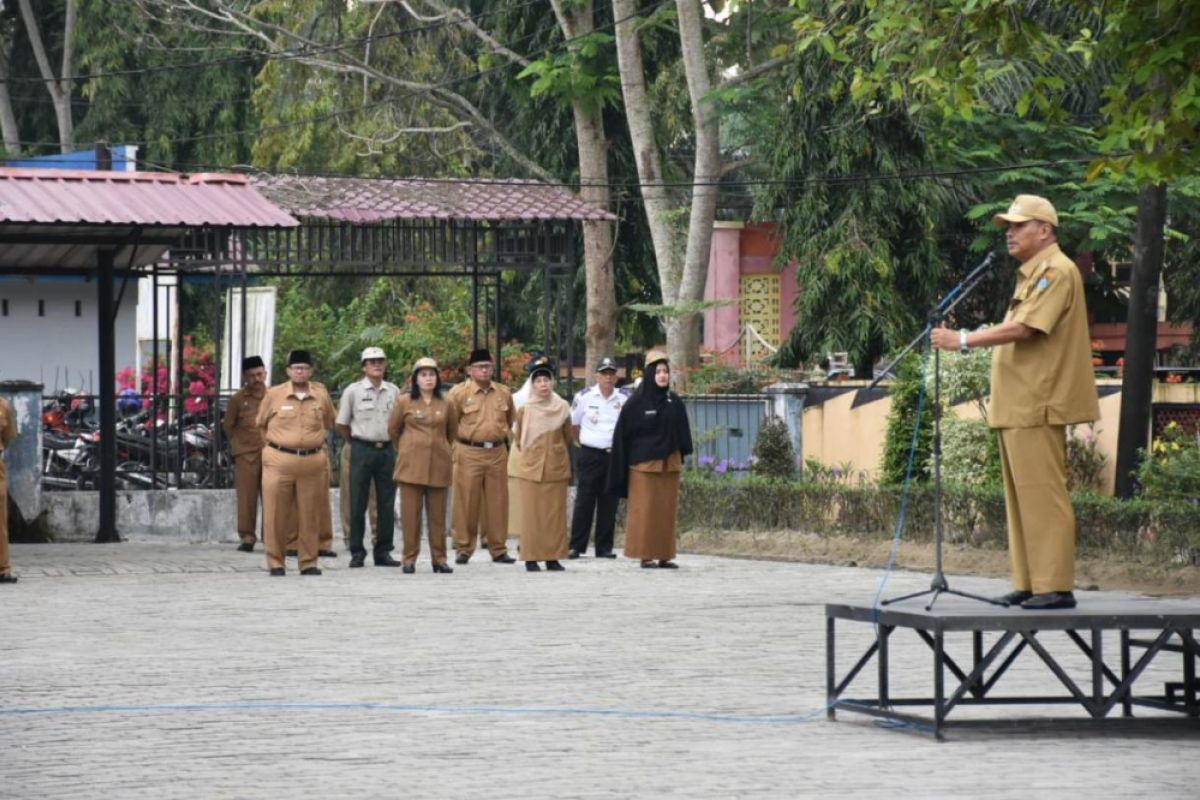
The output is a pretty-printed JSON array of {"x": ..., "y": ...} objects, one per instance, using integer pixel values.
[
  {"x": 655, "y": 199},
  {"x": 1137, "y": 383},
  {"x": 59, "y": 87},
  {"x": 577, "y": 20},
  {"x": 9, "y": 128},
  {"x": 684, "y": 345}
]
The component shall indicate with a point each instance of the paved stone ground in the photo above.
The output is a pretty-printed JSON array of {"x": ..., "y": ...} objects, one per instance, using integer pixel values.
[{"x": 162, "y": 671}]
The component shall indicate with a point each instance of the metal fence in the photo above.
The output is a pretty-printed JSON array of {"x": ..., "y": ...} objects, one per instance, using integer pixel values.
[{"x": 725, "y": 428}]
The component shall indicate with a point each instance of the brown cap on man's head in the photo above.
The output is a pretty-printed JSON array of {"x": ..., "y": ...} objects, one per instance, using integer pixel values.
[{"x": 1027, "y": 207}]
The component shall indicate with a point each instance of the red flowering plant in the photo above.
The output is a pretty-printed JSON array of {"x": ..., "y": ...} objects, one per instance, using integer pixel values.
[{"x": 199, "y": 378}]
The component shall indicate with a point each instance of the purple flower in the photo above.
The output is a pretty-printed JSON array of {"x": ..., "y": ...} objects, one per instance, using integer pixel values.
[
  {"x": 722, "y": 467},
  {"x": 706, "y": 461}
]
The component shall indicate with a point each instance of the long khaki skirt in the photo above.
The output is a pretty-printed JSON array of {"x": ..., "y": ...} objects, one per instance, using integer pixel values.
[
  {"x": 514, "y": 508},
  {"x": 543, "y": 520},
  {"x": 650, "y": 515}
]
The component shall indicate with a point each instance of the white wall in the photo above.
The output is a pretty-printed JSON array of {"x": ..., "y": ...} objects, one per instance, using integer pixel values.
[{"x": 59, "y": 349}]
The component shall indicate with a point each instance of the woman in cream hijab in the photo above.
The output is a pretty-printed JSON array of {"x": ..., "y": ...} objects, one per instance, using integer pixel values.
[{"x": 540, "y": 462}]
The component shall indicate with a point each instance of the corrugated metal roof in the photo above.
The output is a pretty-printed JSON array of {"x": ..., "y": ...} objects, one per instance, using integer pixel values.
[
  {"x": 76, "y": 197},
  {"x": 362, "y": 200}
]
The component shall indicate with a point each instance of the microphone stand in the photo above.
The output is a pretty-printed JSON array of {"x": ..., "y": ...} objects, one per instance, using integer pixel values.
[{"x": 939, "y": 585}]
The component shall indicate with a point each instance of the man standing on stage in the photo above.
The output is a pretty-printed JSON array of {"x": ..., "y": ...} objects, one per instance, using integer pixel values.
[
  {"x": 245, "y": 447},
  {"x": 485, "y": 418},
  {"x": 362, "y": 421},
  {"x": 1042, "y": 382},
  {"x": 594, "y": 416}
]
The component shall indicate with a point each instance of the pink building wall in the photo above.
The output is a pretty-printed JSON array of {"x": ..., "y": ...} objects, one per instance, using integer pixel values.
[{"x": 742, "y": 248}]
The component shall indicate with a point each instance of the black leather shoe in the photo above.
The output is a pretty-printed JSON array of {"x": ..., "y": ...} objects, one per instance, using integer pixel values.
[
  {"x": 1015, "y": 597},
  {"x": 386, "y": 561},
  {"x": 409, "y": 569},
  {"x": 6, "y": 578},
  {"x": 606, "y": 555},
  {"x": 504, "y": 558},
  {"x": 246, "y": 547},
  {"x": 554, "y": 566},
  {"x": 357, "y": 561},
  {"x": 532, "y": 566},
  {"x": 311, "y": 571},
  {"x": 1049, "y": 600},
  {"x": 444, "y": 569},
  {"x": 326, "y": 554},
  {"x": 461, "y": 558},
  {"x": 278, "y": 572},
  {"x": 664, "y": 564},
  {"x": 290, "y": 553},
  {"x": 649, "y": 564},
  {"x": 573, "y": 554}
]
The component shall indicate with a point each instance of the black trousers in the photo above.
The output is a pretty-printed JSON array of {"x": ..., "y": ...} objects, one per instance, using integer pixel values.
[
  {"x": 590, "y": 498},
  {"x": 372, "y": 465}
]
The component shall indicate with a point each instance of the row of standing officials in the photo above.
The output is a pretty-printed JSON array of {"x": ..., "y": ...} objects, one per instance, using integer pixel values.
[{"x": 506, "y": 455}]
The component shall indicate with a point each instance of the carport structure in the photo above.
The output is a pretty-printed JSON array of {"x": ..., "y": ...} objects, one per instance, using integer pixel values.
[{"x": 234, "y": 229}]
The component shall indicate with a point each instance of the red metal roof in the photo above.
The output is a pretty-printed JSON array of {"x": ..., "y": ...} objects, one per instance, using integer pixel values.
[
  {"x": 363, "y": 200},
  {"x": 77, "y": 197}
]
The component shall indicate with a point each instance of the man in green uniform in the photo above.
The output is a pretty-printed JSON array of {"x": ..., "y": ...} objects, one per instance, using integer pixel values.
[{"x": 1042, "y": 382}]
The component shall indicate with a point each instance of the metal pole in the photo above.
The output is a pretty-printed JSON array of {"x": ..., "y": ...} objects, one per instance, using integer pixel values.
[{"x": 107, "y": 531}]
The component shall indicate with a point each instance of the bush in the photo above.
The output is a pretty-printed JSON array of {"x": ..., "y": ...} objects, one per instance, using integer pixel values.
[
  {"x": 970, "y": 452},
  {"x": 1171, "y": 470},
  {"x": 774, "y": 456},
  {"x": 906, "y": 392},
  {"x": 972, "y": 515}
]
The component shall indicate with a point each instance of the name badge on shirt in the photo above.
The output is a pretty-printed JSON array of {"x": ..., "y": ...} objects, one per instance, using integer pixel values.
[
  {"x": 287, "y": 408},
  {"x": 651, "y": 412}
]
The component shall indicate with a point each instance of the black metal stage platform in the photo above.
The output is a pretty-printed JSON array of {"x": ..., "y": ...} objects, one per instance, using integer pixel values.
[{"x": 1144, "y": 628}]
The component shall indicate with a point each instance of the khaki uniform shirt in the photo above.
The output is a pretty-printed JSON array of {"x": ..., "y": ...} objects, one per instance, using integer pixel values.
[
  {"x": 1046, "y": 379},
  {"x": 289, "y": 421},
  {"x": 483, "y": 416},
  {"x": 8, "y": 425},
  {"x": 367, "y": 409},
  {"x": 423, "y": 435},
  {"x": 547, "y": 458},
  {"x": 241, "y": 423}
]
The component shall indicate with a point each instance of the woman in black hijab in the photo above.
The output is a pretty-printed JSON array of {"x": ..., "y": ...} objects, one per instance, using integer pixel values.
[{"x": 651, "y": 439}]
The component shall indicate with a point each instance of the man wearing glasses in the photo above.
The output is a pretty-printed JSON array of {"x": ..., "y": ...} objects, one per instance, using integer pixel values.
[
  {"x": 362, "y": 422},
  {"x": 485, "y": 418},
  {"x": 294, "y": 418}
]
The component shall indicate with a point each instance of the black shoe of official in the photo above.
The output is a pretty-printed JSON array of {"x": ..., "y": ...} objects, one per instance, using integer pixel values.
[
  {"x": 385, "y": 560},
  {"x": 290, "y": 553},
  {"x": 532, "y": 566},
  {"x": 278, "y": 572},
  {"x": 246, "y": 547},
  {"x": 7, "y": 578},
  {"x": 326, "y": 554},
  {"x": 311, "y": 571},
  {"x": 504, "y": 558},
  {"x": 409, "y": 569},
  {"x": 1015, "y": 597},
  {"x": 648, "y": 564},
  {"x": 357, "y": 561},
  {"x": 1049, "y": 600},
  {"x": 573, "y": 554},
  {"x": 444, "y": 569},
  {"x": 461, "y": 558},
  {"x": 665, "y": 564},
  {"x": 609, "y": 554},
  {"x": 555, "y": 566}
]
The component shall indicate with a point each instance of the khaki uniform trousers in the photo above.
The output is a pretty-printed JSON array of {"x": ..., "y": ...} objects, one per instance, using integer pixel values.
[
  {"x": 5, "y": 565},
  {"x": 294, "y": 488},
  {"x": 412, "y": 496},
  {"x": 247, "y": 479},
  {"x": 325, "y": 537},
  {"x": 481, "y": 499},
  {"x": 1041, "y": 520}
]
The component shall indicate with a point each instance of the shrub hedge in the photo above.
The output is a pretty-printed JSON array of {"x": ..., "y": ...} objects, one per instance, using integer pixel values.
[{"x": 973, "y": 515}]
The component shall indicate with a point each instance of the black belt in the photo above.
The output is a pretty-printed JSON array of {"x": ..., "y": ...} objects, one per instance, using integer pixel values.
[
  {"x": 369, "y": 443},
  {"x": 294, "y": 452},
  {"x": 596, "y": 449},
  {"x": 484, "y": 445}
]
